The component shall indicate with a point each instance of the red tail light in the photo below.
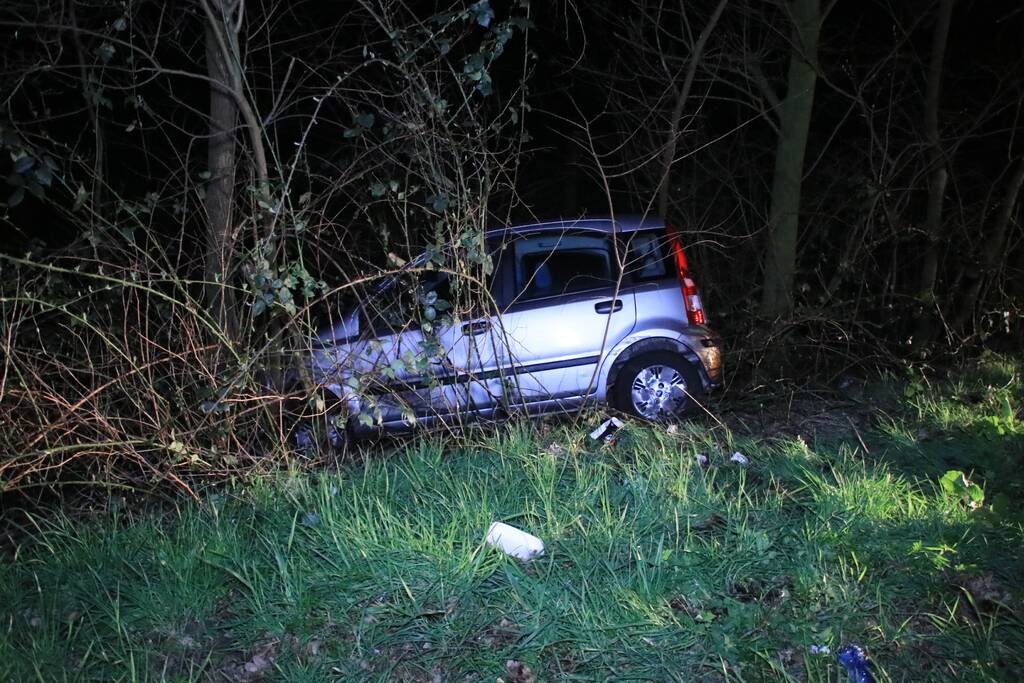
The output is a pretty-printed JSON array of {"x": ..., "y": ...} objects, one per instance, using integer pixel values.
[
  {"x": 694, "y": 307},
  {"x": 691, "y": 295}
]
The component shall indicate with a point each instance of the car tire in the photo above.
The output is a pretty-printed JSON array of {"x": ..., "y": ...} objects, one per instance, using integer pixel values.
[{"x": 640, "y": 379}]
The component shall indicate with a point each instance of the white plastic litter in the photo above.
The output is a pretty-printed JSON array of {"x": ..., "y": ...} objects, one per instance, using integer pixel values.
[
  {"x": 739, "y": 459},
  {"x": 606, "y": 429},
  {"x": 702, "y": 460},
  {"x": 514, "y": 542},
  {"x": 820, "y": 650}
]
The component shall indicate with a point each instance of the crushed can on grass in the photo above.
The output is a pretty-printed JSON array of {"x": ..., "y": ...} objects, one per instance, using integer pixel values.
[
  {"x": 514, "y": 542},
  {"x": 605, "y": 431},
  {"x": 852, "y": 659}
]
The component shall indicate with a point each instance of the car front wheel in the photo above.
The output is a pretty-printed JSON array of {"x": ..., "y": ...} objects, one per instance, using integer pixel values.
[
  {"x": 325, "y": 433},
  {"x": 658, "y": 386}
]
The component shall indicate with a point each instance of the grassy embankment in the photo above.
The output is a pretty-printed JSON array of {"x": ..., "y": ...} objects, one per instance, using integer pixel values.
[{"x": 657, "y": 569}]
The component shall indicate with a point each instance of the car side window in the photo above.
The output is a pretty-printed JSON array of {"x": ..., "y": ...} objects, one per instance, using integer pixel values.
[
  {"x": 556, "y": 264},
  {"x": 646, "y": 256},
  {"x": 408, "y": 297}
]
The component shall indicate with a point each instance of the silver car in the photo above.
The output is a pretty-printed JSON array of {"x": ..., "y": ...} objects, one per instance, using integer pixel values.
[{"x": 578, "y": 312}]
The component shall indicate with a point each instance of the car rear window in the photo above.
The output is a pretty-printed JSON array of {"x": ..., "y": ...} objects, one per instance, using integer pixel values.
[{"x": 647, "y": 256}]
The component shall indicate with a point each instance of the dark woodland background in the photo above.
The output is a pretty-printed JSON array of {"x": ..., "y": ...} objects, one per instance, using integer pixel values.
[{"x": 192, "y": 187}]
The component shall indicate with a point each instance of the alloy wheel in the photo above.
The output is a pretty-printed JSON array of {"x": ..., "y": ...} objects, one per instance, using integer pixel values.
[{"x": 658, "y": 392}]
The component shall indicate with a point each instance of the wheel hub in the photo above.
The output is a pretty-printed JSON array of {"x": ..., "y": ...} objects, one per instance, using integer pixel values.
[{"x": 658, "y": 391}]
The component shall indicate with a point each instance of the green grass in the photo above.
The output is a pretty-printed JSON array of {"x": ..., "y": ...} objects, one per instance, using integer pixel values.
[{"x": 656, "y": 569}]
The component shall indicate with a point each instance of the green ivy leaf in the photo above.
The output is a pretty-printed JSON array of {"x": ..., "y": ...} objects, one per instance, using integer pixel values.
[
  {"x": 43, "y": 175},
  {"x": 81, "y": 195},
  {"x": 482, "y": 13},
  {"x": 16, "y": 197},
  {"x": 949, "y": 480},
  {"x": 105, "y": 52},
  {"x": 438, "y": 202},
  {"x": 24, "y": 164},
  {"x": 474, "y": 66}
]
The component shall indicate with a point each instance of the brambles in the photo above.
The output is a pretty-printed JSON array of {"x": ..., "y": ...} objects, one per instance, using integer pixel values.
[
  {"x": 956, "y": 486},
  {"x": 159, "y": 335}
]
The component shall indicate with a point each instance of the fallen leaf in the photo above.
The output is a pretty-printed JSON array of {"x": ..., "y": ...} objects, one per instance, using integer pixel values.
[
  {"x": 257, "y": 665},
  {"x": 261, "y": 661},
  {"x": 519, "y": 672},
  {"x": 985, "y": 590}
]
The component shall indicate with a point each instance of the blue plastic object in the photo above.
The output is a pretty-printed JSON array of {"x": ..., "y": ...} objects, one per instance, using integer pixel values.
[{"x": 851, "y": 658}]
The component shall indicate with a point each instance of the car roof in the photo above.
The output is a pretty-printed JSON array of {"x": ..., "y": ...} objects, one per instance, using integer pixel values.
[
  {"x": 621, "y": 223},
  {"x": 625, "y": 223}
]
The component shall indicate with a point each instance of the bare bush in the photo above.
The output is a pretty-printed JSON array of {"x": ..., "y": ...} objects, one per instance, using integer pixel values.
[{"x": 233, "y": 195}]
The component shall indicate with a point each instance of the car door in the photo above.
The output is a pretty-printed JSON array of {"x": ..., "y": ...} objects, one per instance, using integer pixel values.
[
  {"x": 561, "y": 312},
  {"x": 426, "y": 358},
  {"x": 464, "y": 383}
]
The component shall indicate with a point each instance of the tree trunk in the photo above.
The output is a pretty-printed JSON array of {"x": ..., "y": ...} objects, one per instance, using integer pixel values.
[
  {"x": 993, "y": 248},
  {"x": 668, "y": 156},
  {"x": 938, "y": 174},
  {"x": 794, "y": 123},
  {"x": 221, "y": 187}
]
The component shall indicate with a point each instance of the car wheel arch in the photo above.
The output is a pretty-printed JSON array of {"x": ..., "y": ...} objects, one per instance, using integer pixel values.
[{"x": 648, "y": 345}]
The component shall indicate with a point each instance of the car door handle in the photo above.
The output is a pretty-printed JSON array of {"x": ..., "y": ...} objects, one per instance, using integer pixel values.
[
  {"x": 476, "y": 327},
  {"x": 608, "y": 306}
]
